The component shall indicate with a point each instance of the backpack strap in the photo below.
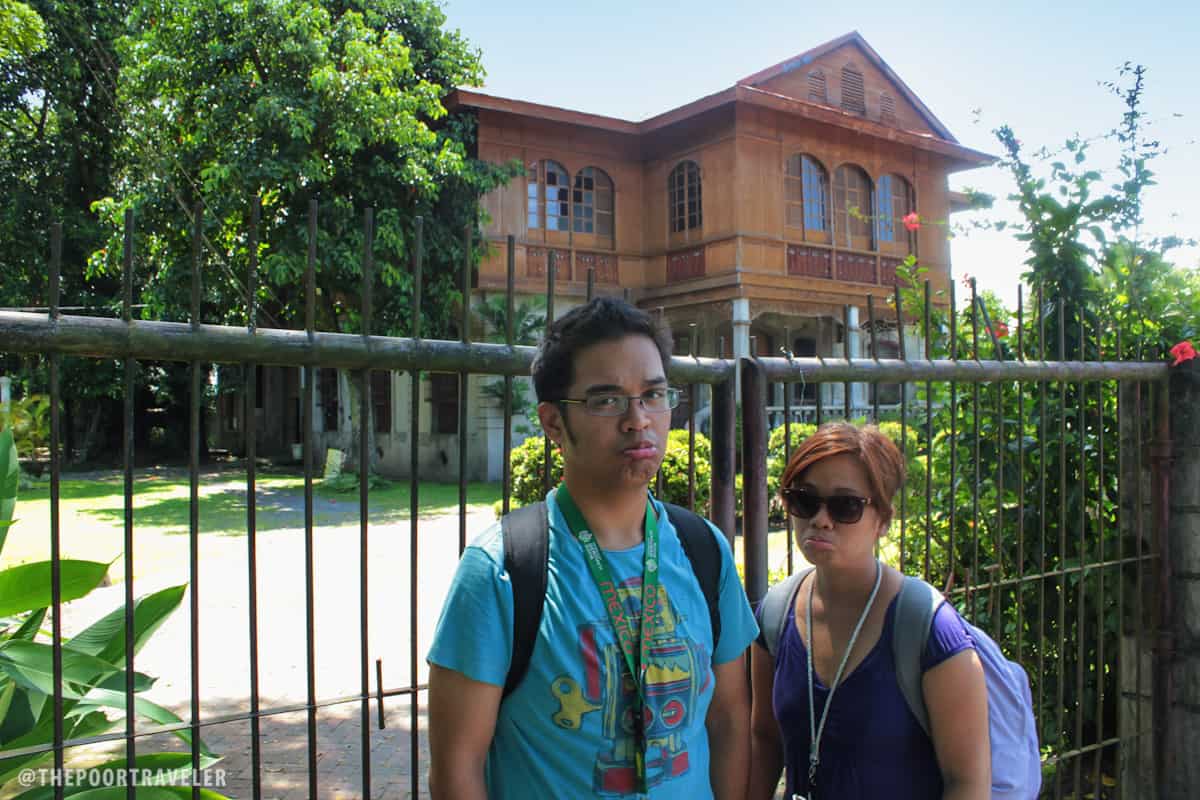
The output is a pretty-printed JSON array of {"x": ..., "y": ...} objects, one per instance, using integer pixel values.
[
  {"x": 526, "y": 537},
  {"x": 702, "y": 550},
  {"x": 775, "y": 605},
  {"x": 915, "y": 607}
]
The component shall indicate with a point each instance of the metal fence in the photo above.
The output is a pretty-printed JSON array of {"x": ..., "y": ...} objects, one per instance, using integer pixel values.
[{"x": 1025, "y": 501}]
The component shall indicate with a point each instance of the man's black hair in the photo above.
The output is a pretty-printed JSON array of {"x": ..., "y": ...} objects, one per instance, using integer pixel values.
[{"x": 604, "y": 319}]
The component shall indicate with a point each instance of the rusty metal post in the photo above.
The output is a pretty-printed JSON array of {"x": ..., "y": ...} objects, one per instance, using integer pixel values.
[
  {"x": 754, "y": 478},
  {"x": 724, "y": 452},
  {"x": 1176, "y": 498}
]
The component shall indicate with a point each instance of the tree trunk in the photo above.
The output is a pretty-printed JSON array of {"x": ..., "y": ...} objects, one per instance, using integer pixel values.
[{"x": 357, "y": 385}]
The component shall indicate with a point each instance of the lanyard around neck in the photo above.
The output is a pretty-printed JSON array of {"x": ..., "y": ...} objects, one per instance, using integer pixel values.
[
  {"x": 815, "y": 730},
  {"x": 635, "y": 645}
]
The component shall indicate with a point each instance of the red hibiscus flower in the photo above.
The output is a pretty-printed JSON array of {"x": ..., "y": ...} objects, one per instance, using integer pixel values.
[
  {"x": 1183, "y": 352},
  {"x": 912, "y": 221},
  {"x": 1001, "y": 330}
]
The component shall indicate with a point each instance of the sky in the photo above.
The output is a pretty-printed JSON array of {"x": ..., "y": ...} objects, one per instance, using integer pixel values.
[{"x": 1035, "y": 66}]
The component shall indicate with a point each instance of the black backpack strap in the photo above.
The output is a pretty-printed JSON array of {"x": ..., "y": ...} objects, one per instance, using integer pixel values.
[
  {"x": 774, "y": 609},
  {"x": 526, "y": 537},
  {"x": 702, "y": 550}
]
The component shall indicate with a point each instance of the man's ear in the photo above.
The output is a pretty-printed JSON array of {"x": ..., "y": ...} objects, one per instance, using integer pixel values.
[{"x": 550, "y": 415}]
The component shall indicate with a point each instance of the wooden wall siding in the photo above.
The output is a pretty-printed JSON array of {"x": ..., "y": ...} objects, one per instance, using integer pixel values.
[
  {"x": 856, "y": 268},
  {"x": 536, "y": 259},
  {"x": 605, "y": 265},
  {"x": 812, "y": 262},
  {"x": 875, "y": 83},
  {"x": 887, "y": 270},
  {"x": 686, "y": 264}
]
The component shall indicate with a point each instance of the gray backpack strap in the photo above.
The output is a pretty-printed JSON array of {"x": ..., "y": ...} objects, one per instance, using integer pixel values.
[
  {"x": 915, "y": 607},
  {"x": 775, "y": 605}
]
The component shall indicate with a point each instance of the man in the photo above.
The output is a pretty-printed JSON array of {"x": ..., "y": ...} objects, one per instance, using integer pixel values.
[{"x": 615, "y": 703}]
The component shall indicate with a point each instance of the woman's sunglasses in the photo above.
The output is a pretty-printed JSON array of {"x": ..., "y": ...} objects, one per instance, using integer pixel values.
[{"x": 846, "y": 509}]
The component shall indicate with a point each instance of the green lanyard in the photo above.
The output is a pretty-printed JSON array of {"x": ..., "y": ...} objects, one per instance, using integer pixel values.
[{"x": 635, "y": 645}]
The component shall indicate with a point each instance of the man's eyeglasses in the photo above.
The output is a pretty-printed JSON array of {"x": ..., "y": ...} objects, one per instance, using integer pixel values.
[
  {"x": 605, "y": 404},
  {"x": 846, "y": 509}
]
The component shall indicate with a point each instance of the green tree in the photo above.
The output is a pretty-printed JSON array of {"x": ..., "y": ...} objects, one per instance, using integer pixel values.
[
  {"x": 291, "y": 102},
  {"x": 60, "y": 122},
  {"x": 22, "y": 31}
]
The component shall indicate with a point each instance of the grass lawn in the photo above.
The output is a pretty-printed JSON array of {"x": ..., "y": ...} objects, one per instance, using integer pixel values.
[{"x": 92, "y": 512}]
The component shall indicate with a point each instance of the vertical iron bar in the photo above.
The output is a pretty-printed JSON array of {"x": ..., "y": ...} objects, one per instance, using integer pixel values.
[
  {"x": 364, "y": 510},
  {"x": 1062, "y": 550},
  {"x": 975, "y": 454},
  {"x": 194, "y": 500},
  {"x": 250, "y": 431},
  {"x": 875, "y": 355},
  {"x": 998, "y": 532},
  {"x": 1122, "y": 667},
  {"x": 463, "y": 391},
  {"x": 506, "y": 467},
  {"x": 591, "y": 283},
  {"x": 55, "y": 527},
  {"x": 787, "y": 445},
  {"x": 310, "y": 643},
  {"x": 1139, "y": 523},
  {"x": 928, "y": 434},
  {"x": 819, "y": 399},
  {"x": 903, "y": 428},
  {"x": 551, "y": 274},
  {"x": 1043, "y": 430},
  {"x": 130, "y": 367},
  {"x": 846, "y": 387},
  {"x": 1020, "y": 478},
  {"x": 1101, "y": 510},
  {"x": 754, "y": 483},
  {"x": 953, "y": 477},
  {"x": 414, "y": 513},
  {"x": 691, "y": 418},
  {"x": 1081, "y": 585}
]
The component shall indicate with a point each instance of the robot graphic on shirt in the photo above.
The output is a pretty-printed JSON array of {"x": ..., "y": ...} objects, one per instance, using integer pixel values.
[{"x": 676, "y": 678}]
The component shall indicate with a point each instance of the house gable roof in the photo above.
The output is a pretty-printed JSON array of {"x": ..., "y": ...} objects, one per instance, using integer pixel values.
[{"x": 851, "y": 40}]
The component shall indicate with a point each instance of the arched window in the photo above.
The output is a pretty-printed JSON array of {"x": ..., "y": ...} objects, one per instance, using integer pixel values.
[
  {"x": 853, "y": 208},
  {"x": 806, "y": 195},
  {"x": 683, "y": 197},
  {"x": 854, "y": 98},
  {"x": 893, "y": 198},
  {"x": 549, "y": 198},
  {"x": 592, "y": 202},
  {"x": 817, "y": 91}
]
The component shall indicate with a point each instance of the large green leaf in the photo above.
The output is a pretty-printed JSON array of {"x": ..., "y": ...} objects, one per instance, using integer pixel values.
[
  {"x": 105, "y": 638},
  {"x": 29, "y": 628},
  {"x": 27, "y": 587},
  {"x": 172, "y": 768},
  {"x": 30, "y": 664},
  {"x": 9, "y": 480},
  {"x": 7, "y": 689}
]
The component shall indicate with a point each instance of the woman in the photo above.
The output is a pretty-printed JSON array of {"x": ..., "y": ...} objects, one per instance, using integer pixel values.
[{"x": 857, "y": 739}]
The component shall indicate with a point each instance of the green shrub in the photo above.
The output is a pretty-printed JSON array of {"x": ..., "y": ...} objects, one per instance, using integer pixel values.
[
  {"x": 675, "y": 470},
  {"x": 527, "y": 462}
]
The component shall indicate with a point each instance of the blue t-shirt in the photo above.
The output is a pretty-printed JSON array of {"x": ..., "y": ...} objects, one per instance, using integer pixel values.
[
  {"x": 872, "y": 745},
  {"x": 567, "y": 730}
]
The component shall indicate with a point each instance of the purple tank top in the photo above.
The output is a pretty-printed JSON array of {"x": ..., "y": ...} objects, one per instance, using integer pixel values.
[{"x": 872, "y": 746}]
